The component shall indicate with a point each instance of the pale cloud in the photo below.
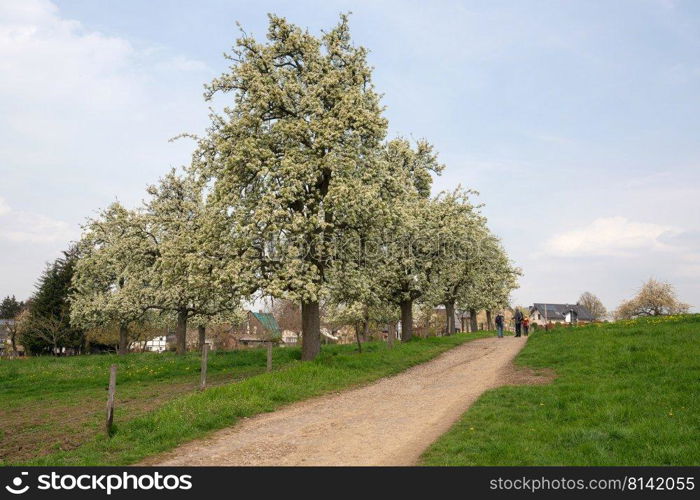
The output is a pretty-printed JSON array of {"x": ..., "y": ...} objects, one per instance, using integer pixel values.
[
  {"x": 179, "y": 63},
  {"x": 85, "y": 116},
  {"x": 610, "y": 236},
  {"x": 4, "y": 207},
  {"x": 69, "y": 92},
  {"x": 36, "y": 228},
  {"x": 554, "y": 139},
  {"x": 45, "y": 56},
  {"x": 692, "y": 269},
  {"x": 57, "y": 61},
  {"x": 24, "y": 227}
]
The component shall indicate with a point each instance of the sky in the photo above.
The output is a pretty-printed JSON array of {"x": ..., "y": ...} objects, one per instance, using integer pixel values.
[{"x": 577, "y": 121}]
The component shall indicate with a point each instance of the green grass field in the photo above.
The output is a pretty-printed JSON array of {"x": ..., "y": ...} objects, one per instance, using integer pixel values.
[
  {"x": 49, "y": 404},
  {"x": 624, "y": 394},
  {"x": 56, "y": 405}
]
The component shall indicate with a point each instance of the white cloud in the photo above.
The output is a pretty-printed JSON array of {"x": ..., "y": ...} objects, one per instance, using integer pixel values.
[
  {"x": 36, "y": 228},
  {"x": 4, "y": 207},
  {"x": 179, "y": 63},
  {"x": 44, "y": 56},
  {"x": 24, "y": 227},
  {"x": 610, "y": 236},
  {"x": 84, "y": 117},
  {"x": 554, "y": 139},
  {"x": 68, "y": 92},
  {"x": 54, "y": 60}
]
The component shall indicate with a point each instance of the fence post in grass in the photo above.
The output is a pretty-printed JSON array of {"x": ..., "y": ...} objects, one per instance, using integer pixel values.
[
  {"x": 203, "y": 371},
  {"x": 390, "y": 329},
  {"x": 110, "y": 398},
  {"x": 269, "y": 356}
]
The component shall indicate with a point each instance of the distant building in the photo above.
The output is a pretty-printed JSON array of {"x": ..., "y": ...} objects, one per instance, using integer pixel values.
[
  {"x": 159, "y": 343},
  {"x": 541, "y": 314},
  {"x": 156, "y": 344},
  {"x": 290, "y": 337},
  {"x": 261, "y": 327}
]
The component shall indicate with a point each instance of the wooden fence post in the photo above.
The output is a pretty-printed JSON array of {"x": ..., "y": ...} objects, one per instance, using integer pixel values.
[
  {"x": 110, "y": 398},
  {"x": 269, "y": 356},
  {"x": 203, "y": 371}
]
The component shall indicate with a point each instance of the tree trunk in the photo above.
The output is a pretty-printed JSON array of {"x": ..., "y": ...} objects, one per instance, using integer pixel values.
[
  {"x": 202, "y": 332},
  {"x": 181, "y": 332},
  {"x": 406, "y": 320},
  {"x": 450, "y": 313},
  {"x": 390, "y": 334},
  {"x": 365, "y": 330},
  {"x": 123, "y": 339},
  {"x": 310, "y": 331},
  {"x": 489, "y": 323},
  {"x": 472, "y": 320},
  {"x": 357, "y": 337}
]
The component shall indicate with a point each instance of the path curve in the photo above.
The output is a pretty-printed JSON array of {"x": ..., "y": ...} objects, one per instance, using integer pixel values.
[{"x": 389, "y": 422}]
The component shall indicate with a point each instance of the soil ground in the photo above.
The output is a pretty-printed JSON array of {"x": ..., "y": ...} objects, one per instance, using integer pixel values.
[{"x": 389, "y": 422}]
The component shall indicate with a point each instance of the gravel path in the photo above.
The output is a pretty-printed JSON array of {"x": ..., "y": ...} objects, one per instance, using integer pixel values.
[{"x": 389, "y": 422}]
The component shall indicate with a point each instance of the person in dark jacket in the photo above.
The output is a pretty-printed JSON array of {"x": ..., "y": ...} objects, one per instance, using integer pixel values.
[
  {"x": 518, "y": 322},
  {"x": 499, "y": 325}
]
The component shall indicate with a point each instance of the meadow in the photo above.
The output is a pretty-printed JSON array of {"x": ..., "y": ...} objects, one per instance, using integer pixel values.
[
  {"x": 52, "y": 409},
  {"x": 49, "y": 404},
  {"x": 625, "y": 393}
]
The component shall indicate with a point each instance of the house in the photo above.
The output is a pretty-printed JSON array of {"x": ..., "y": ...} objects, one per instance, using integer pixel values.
[
  {"x": 261, "y": 327},
  {"x": 156, "y": 344},
  {"x": 542, "y": 314},
  {"x": 159, "y": 343},
  {"x": 290, "y": 337}
]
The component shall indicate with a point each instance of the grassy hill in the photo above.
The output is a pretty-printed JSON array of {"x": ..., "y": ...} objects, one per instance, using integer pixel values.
[{"x": 626, "y": 393}]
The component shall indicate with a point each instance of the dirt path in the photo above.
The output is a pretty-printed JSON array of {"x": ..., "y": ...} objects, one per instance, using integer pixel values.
[{"x": 389, "y": 422}]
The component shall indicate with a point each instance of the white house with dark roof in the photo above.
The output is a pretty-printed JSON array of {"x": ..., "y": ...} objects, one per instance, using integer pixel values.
[{"x": 541, "y": 314}]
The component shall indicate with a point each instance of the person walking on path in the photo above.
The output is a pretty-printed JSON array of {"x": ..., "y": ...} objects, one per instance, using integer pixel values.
[
  {"x": 499, "y": 325},
  {"x": 518, "y": 322},
  {"x": 526, "y": 326}
]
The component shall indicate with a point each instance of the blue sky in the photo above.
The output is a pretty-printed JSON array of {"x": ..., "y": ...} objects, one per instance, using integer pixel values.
[{"x": 576, "y": 121}]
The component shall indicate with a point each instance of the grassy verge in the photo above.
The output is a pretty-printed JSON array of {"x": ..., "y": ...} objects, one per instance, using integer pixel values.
[
  {"x": 625, "y": 394},
  {"x": 194, "y": 414}
]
